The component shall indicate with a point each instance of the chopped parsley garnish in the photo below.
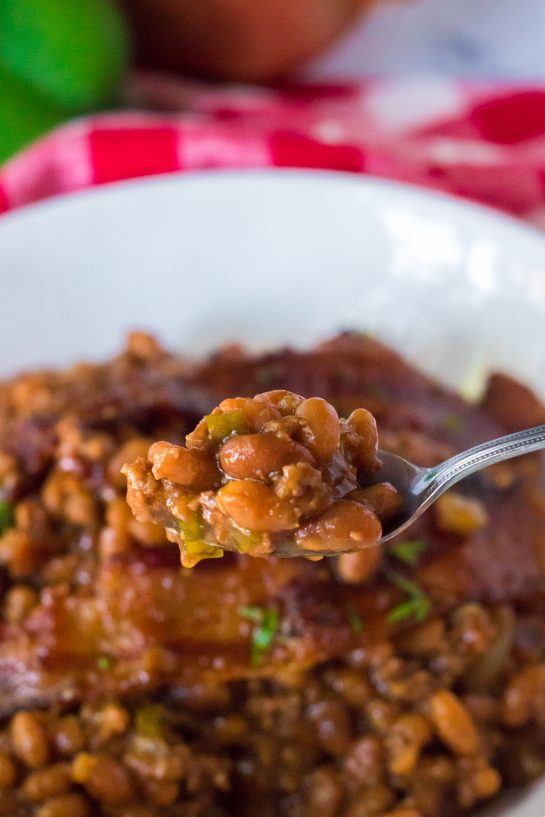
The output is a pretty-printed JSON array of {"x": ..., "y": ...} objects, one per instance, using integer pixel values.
[
  {"x": 355, "y": 621},
  {"x": 453, "y": 422},
  {"x": 222, "y": 425},
  {"x": 6, "y": 515},
  {"x": 266, "y": 621},
  {"x": 417, "y": 604},
  {"x": 105, "y": 662},
  {"x": 408, "y": 551}
]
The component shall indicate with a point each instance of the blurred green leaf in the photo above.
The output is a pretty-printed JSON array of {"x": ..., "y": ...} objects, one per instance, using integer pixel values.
[
  {"x": 23, "y": 115},
  {"x": 73, "y": 53}
]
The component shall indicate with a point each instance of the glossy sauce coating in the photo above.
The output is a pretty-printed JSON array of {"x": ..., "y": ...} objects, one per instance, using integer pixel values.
[
  {"x": 270, "y": 686},
  {"x": 273, "y": 474}
]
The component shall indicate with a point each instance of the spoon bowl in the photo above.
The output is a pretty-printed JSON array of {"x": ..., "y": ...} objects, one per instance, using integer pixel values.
[{"x": 420, "y": 487}]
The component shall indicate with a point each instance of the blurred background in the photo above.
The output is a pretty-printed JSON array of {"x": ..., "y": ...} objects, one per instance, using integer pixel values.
[{"x": 60, "y": 59}]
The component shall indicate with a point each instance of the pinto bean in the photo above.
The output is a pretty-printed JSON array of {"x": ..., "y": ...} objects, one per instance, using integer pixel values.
[
  {"x": 191, "y": 468},
  {"x": 355, "y": 568},
  {"x": 365, "y": 427},
  {"x": 29, "y": 739},
  {"x": 256, "y": 412},
  {"x": 256, "y": 456},
  {"x": 453, "y": 723},
  {"x": 344, "y": 526},
  {"x": 285, "y": 402},
  {"x": 256, "y": 507},
  {"x": 382, "y": 498},
  {"x": 321, "y": 434}
]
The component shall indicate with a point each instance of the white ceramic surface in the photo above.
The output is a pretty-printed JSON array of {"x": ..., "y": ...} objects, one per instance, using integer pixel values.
[
  {"x": 274, "y": 257},
  {"x": 487, "y": 39}
]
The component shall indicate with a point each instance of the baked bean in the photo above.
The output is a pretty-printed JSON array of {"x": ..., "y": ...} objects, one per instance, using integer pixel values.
[
  {"x": 524, "y": 696},
  {"x": 332, "y": 723},
  {"x": 355, "y": 568},
  {"x": 285, "y": 402},
  {"x": 453, "y": 723},
  {"x": 365, "y": 763},
  {"x": 29, "y": 739},
  {"x": 118, "y": 514},
  {"x": 324, "y": 792},
  {"x": 112, "y": 542},
  {"x": 8, "y": 772},
  {"x": 257, "y": 456},
  {"x": 67, "y": 805},
  {"x": 146, "y": 533},
  {"x": 229, "y": 728},
  {"x": 256, "y": 412},
  {"x": 365, "y": 426},
  {"x": 113, "y": 720},
  {"x": 426, "y": 638},
  {"x": 138, "y": 811},
  {"x": 455, "y": 513},
  {"x": 20, "y": 554},
  {"x": 344, "y": 526},
  {"x": 382, "y": 498},
  {"x": 162, "y": 793},
  {"x": 65, "y": 495},
  {"x": 68, "y": 735},
  {"x": 476, "y": 780},
  {"x": 190, "y": 468},
  {"x": 321, "y": 434},
  {"x": 256, "y": 507},
  {"x": 351, "y": 684},
  {"x": 486, "y": 783},
  {"x": 404, "y": 742},
  {"x": 49, "y": 782},
  {"x": 128, "y": 452},
  {"x": 103, "y": 777},
  {"x": 19, "y": 601},
  {"x": 371, "y": 802}
]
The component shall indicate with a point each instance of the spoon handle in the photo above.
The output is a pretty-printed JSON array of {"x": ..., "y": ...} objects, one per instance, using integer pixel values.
[{"x": 435, "y": 481}]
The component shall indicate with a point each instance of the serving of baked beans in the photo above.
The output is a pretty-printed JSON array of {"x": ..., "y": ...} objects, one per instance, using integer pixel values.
[{"x": 272, "y": 474}]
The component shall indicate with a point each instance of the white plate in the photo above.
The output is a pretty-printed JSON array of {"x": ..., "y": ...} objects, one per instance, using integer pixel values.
[{"x": 274, "y": 257}]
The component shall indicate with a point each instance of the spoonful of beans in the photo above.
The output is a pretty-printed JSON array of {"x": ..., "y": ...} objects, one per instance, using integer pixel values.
[{"x": 281, "y": 475}]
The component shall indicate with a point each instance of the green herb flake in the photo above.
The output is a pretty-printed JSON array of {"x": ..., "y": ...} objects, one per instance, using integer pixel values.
[
  {"x": 416, "y": 606},
  {"x": 266, "y": 621},
  {"x": 149, "y": 721},
  {"x": 355, "y": 621},
  {"x": 408, "y": 551},
  {"x": 453, "y": 422},
  {"x": 254, "y": 614},
  {"x": 222, "y": 425},
  {"x": 105, "y": 662},
  {"x": 6, "y": 515}
]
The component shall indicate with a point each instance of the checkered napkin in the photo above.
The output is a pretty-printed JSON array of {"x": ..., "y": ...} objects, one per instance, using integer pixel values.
[{"x": 483, "y": 142}]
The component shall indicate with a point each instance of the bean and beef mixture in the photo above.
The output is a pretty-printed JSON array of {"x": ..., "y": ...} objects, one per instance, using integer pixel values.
[
  {"x": 402, "y": 681},
  {"x": 273, "y": 474}
]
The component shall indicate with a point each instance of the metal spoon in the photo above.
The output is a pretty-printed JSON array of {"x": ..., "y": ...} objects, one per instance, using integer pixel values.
[{"x": 420, "y": 487}]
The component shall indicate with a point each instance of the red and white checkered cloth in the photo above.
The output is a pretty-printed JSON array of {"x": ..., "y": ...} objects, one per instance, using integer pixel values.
[{"x": 480, "y": 141}]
